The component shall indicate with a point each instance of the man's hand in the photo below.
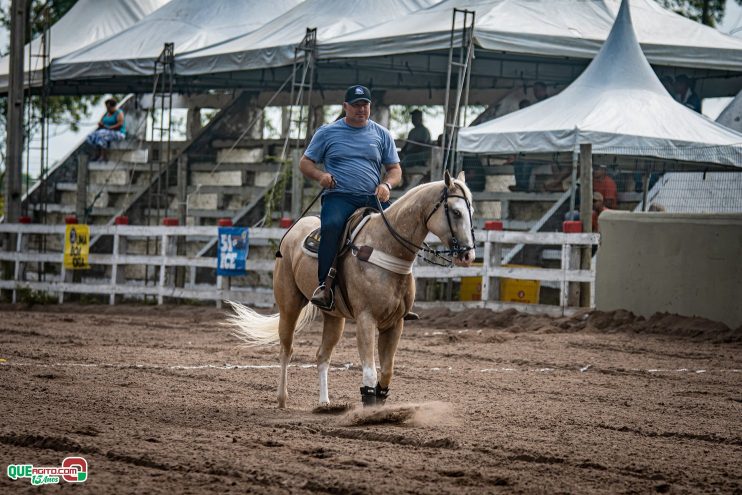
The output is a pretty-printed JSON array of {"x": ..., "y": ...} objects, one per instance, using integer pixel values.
[
  {"x": 382, "y": 192},
  {"x": 327, "y": 181}
]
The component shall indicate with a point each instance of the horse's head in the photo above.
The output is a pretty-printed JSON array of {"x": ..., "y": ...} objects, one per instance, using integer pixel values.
[{"x": 451, "y": 219}]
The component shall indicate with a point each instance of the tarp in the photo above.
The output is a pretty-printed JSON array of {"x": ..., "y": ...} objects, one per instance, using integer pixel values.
[
  {"x": 273, "y": 44},
  {"x": 619, "y": 106},
  {"x": 189, "y": 24},
  {"x": 551, "y": 28},
  {"x": 731, "y": 116},
  {"x": 86, "y": 22}
]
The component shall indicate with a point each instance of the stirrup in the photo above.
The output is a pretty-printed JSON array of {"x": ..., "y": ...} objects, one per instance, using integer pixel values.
[{"x": 321, "y": 304}]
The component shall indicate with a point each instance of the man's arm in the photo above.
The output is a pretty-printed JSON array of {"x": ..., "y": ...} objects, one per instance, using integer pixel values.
[
  {"x": 309, "y": 168},
  {"x": 392, "y": 178}
]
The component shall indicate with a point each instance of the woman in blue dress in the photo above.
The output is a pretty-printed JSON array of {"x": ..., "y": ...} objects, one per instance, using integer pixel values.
[{"x": 111, "y": 128}]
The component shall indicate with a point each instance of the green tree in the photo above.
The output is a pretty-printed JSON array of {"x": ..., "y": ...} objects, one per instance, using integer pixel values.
[
  {"x": 61, "y": 110},
  {"x": 708, "y": 12}
]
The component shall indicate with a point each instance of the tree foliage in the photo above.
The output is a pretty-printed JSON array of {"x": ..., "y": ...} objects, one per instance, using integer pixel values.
[
  {"x": 61, "y": 110},
  {"x": 708, "y": 12}
]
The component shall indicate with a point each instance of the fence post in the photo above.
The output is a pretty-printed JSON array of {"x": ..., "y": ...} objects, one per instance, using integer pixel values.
[
  {"x": 19, "y": 247},
  {"x": 81, "y": 204},
  {"x": 487, "y": 258},
  {"x": 118, "y": 276},
  {"x": 496, "y": 261},
  {"x": 586, "y": 213}
]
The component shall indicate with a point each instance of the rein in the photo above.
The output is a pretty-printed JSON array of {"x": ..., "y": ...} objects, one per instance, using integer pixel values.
[{"x": 455, "y": 248}]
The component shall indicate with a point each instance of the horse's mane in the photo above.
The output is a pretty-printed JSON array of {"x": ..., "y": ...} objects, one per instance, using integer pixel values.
[{"x": 456, "y": 184}]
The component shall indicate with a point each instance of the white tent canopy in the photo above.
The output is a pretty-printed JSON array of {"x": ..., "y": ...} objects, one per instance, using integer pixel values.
[
  {"x": 551, "y": 28},
  {"x": 619, "y": 106},
  {"x": 189, "y": 24},
  {"x": 273, "y": 44},
  {"x": 86, "y": 22},
  {"x": 731, "y": 116}
]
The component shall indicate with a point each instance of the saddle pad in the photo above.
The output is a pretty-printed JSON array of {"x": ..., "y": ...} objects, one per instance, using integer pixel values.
[{"x": 310, "y": 246}]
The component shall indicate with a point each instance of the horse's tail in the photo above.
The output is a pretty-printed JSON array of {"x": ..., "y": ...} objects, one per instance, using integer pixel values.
[{"x": 255, "y": 329}]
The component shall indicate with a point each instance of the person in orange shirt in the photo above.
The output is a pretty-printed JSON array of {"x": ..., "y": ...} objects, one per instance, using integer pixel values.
[
  {"x": 598, "y": 208},
  {"x": 606, "y": 186}
]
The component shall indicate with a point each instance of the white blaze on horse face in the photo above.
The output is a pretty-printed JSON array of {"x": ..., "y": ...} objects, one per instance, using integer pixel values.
[
  {"x": 462, "y": 231},
  {"x": 324, "y": 398}
]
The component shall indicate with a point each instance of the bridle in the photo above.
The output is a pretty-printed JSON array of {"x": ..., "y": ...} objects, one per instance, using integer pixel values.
[{"x": 455, "y": 249}]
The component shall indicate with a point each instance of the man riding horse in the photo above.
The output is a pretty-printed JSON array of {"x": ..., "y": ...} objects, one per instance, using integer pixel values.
[{"x": 353, "y": 150}]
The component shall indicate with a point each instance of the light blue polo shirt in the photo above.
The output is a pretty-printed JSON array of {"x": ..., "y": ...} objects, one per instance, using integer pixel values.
[{"x": 353, "y": 155}]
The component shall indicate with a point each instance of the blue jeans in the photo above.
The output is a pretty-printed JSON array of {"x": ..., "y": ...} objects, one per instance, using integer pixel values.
[{"x": 336, "y": 208}]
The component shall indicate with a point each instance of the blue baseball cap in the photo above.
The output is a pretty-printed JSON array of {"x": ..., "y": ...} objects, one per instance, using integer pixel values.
[{"x": 357, "y": 93}]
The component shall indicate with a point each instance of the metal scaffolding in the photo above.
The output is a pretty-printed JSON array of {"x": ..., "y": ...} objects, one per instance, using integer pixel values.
[{"x": 460, "y": 57}]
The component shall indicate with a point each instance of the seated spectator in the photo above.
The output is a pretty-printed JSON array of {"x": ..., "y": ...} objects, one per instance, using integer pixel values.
[
  {"x": 606, "y": 186},
  {"x": 111, "y": 128},
  {"x": 669, "y": 85},
  {"x": 685, "y": 94},
  {"x": 522, "y": 171},
  {"x": 560, "y": 179},
  {"x": 598, "y": 208},
  {"x": 416, "y": 150},
  {"x": 539, "y": 91}
]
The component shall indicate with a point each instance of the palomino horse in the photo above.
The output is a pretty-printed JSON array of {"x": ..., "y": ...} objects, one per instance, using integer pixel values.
[{"x": 379, "y": 298}]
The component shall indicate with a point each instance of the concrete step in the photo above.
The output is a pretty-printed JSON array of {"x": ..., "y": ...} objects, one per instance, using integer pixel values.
[{"x": 110, "y": 188}]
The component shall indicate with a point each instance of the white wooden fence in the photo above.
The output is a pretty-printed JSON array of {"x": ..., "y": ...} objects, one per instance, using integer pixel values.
[{"x": 493, "y": 243}]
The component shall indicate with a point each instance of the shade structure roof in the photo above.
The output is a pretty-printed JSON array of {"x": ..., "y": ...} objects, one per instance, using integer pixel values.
[
  {"x": 189, "y": 24},
  {"x": 619, "y": 106},
  {"x": 731, "y": 116},
  {"x": 394, "y": 44},
  {"x": 87, "y": 22},
  {"x": 273, "y": 44},
  {"x": 553, "y": 28}
]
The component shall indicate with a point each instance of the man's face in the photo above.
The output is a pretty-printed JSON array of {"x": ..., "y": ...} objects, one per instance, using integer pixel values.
[
  {"x": 597, "y": 204},
  {"x": 681, "y": 87},
  {"x": 417, "y": 119},
  {"x": 357, "y": 113},
  {"x": 599, "y": 173}
]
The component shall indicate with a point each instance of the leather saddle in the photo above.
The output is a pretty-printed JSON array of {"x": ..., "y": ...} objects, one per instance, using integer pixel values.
[{"x": 311, "y": 242}]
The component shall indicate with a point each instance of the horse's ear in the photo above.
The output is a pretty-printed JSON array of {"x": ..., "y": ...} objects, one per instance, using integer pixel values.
[
  {"x": 447, "y": 179},
  {"x": 461, "y": 177}
]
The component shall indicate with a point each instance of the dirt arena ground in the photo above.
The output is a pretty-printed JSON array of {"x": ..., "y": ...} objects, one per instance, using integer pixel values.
[{"x": 162, "y": 400}]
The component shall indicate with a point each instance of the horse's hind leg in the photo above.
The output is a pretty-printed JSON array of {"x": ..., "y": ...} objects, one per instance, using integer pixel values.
[
  {"x": 331, "y": 333},
  {"x": 286, "y": 326}
]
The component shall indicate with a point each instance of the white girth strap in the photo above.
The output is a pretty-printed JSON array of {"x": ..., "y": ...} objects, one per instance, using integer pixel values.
[
  {"x": 391, "y": 263},
  {"x": 380, "y": 259}
]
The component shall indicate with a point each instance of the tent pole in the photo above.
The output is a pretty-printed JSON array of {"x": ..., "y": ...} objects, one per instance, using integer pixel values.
[
  {"x": 573, "y": 185},
  {"x": 645, "y": 190},
  {"x": 586, "y": 213}
]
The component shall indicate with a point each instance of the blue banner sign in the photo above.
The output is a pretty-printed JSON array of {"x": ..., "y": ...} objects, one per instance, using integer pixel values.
[{"x": 232, "y": 255}]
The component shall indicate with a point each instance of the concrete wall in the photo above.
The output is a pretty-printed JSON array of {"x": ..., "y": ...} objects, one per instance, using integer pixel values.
[{"x": 689, "y": 264}]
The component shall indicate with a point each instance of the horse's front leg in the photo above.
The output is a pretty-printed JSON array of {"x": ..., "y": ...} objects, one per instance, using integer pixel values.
[
  {"x": 331, "y": 332},
  {"x": 388, "y": 342},
  {"x": 366, "y": 336}
]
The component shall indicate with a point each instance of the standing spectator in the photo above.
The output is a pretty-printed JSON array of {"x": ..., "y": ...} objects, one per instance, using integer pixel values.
[
  {"x": 416, "y": 150},
  {"x": 606, "y": 186},
  {"x": 111, "y": 128},
  {"x": 685, "y": 93}
]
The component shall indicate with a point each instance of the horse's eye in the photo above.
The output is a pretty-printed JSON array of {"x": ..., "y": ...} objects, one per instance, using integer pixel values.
[{"x": 457, "y": 213}]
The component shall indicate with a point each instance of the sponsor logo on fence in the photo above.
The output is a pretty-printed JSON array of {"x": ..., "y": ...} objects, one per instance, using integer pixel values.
[
  {"x": 72, "y": 470},
  {"x": 76, "y": 247},
  {"x": 233, "y": 248}
]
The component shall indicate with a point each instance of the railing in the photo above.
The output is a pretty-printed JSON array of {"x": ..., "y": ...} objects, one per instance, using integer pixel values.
[{"x": 165, "y": 260}]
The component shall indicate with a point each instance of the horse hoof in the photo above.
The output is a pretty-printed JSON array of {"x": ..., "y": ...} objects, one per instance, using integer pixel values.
[
  {"x": 368, "y": 396},
  {"x": 411, "y": 316}
]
